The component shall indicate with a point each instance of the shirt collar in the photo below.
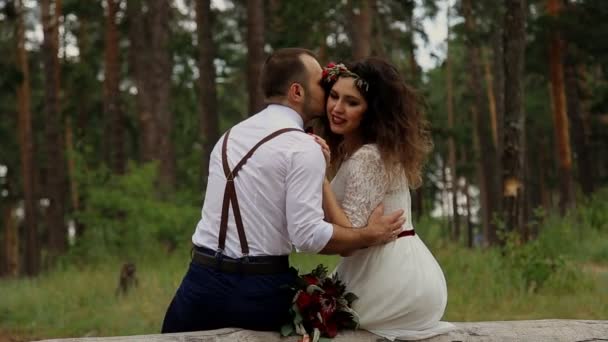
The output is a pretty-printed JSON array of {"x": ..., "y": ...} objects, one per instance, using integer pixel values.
[{"x": 286, "y": 113}]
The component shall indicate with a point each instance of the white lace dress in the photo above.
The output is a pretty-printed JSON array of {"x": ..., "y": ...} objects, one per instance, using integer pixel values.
[{"x": 401, "y": 288}]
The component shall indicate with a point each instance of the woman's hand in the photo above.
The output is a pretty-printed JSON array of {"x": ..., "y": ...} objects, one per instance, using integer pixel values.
[{"x": 324, "y": 147}]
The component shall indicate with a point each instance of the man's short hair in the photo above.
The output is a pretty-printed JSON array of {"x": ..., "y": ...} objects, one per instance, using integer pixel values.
[{"x": 282, "y": 68}]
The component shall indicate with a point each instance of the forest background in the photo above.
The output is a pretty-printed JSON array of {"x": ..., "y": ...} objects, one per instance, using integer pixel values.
[{"x": 109, "y": 109}]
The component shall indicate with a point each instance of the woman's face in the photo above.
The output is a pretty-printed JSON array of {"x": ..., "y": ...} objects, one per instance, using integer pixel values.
[{"x": 345, "y": 107}]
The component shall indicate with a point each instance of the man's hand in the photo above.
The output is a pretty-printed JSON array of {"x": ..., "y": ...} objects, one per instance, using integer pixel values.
[{"x": 382, "y": 229}]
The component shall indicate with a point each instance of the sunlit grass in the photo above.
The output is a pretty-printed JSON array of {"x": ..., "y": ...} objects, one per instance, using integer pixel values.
[{"x": 78, "y": 299}]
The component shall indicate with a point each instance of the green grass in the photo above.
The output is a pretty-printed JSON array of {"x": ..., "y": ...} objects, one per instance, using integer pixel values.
[
  {"x": 562, "y": 274},
  {"x": 81, "y": 301}
]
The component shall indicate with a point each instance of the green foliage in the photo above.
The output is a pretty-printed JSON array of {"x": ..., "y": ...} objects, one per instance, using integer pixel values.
[{"x": 124, "y": 216}]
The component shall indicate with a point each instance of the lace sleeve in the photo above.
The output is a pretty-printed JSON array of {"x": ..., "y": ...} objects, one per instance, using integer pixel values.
[{"x": 366, "y": 185}]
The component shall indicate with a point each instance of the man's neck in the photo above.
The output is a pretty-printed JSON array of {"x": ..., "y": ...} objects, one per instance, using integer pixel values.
[{"x": 284, "y": 102}]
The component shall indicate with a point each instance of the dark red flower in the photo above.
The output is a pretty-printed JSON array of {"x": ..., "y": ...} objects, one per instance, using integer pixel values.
[
  {"x": 304, "y": 300},
  {"x": 331, "y": 329},
  {"x": 310, "y": 279}
]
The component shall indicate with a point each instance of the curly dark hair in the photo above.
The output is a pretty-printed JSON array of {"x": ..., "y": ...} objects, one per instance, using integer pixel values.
[{"x": 394, "y": 121}]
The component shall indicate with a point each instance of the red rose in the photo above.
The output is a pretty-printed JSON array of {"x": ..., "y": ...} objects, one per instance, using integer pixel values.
[
  {"x": 331, "y": 329},
  {"x": 310, "y": 279},
  {"x": 330, "y": 65},
  {"x": 304, "y": 300}
]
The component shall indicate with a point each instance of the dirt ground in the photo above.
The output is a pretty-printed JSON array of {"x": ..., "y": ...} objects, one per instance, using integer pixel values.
[{"x": 8, "y": 337}]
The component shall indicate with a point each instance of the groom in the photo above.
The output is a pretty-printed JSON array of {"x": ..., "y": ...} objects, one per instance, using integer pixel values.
[{"x": 264, "y": 195}]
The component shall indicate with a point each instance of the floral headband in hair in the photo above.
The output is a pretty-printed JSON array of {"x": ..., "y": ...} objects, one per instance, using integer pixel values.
[{"x": 333, "y": 71}]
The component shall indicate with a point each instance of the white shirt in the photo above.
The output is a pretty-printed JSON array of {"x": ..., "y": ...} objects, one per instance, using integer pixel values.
[{"x": 279, "y": 189}]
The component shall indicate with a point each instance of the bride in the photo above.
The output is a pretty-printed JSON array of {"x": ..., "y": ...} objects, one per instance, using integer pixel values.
[{"x": 378, "y": 143}]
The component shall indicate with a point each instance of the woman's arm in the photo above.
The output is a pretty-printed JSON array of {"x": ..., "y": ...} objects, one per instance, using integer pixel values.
[{"x": 331, "y": 207}]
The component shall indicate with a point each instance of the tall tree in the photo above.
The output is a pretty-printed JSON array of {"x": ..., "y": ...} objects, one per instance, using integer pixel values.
[
  {"x": 26, "y": 147},
  {"x": 111, "y": 102},
  {"x": 209, "y": 127},
  {"x": 361, "y": 27},
  {"x": 140, "y": 64},
  {"x": 451, "y": 138},
  {"x": 161, "y": 68},
  {"x": 486, "y": 168},
  {"x": 413, "y": 76},
  {"x": 56, "y": 178},
  {"x": 514, "y": 143},
  {"x": 560, "y": 116},
  {"x": 255, "y": 53},
  {"x": 579, "y": 119}
]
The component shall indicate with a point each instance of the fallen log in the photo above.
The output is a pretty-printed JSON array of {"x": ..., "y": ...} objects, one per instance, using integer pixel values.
[{"x": 537, "y": 330}]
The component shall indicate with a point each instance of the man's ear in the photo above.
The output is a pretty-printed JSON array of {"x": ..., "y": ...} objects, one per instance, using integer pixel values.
[{"x": 296, "y": 93}]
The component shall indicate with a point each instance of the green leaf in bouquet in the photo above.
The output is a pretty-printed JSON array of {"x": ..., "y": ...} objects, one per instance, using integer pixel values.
[
  {"x": 350, "y": 297},
  {"x": 320, "y": 271},
  {"x": 287, "y": 329},
  {"x": 297, "y": 318},
  {"x": 312, "y": 288},
  {"x": 316, "y": 335}
]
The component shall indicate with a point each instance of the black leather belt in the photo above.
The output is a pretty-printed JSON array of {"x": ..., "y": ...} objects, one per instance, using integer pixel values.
[{"x": 247, "y": 265}]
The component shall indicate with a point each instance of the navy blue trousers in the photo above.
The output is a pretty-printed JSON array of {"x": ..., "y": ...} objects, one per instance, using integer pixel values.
[{"x": 208, "y": 299}]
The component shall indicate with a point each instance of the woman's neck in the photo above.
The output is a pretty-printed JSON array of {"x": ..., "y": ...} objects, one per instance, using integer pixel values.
[{"x": 351, "y": 143}]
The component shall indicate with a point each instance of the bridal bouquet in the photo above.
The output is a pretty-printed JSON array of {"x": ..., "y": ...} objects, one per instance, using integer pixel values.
[{"x": 321, "y": 307}]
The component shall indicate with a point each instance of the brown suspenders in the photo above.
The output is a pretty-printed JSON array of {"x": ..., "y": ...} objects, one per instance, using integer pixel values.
[{"x": 230, "y": 197}]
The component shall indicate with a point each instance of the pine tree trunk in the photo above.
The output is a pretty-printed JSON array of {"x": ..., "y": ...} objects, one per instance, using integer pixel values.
[
  {"x": 111, "y": 102},
  {"x": 26, "y": 150},
  {"x": 361, "y": 28},
  {"x": 10, "y": 247},
  {"x": 377, "y": 32},
  {"x": 209, "y": 126},
  {"x": 580, "y": 131},
  {"x": 467, "y": 196},
  {"x": 491, "y": 98},
  {"x": 409, "y": 17},
  {"x": 159, "y": 11},
  {"x": 255, "y": 54},
  {"x": 140, "y": 64},
  {"x": 418, "y": 194},
  {"x": 514, "y": 148},
  {"x": 451, "y": 139},
  {"x": 56, "y": 162},
  {"x": 485, "y": 151},
  {"x": 560, "y": 117}
]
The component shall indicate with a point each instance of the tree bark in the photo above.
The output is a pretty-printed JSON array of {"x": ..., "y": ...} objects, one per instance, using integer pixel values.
[
  {"x": 491, "y": 98},
  {"x": 10, "y": 259},
  {"x": 56, "y": 162},
  {"x": 26, "y": 150},
  {"x": 560, "y": 117},
  {"x": 255, "y": 54},
  {"x": 485, "y": 151},
  {"x": 451, "y": 139},
  {"x": 578, "y": 117},
  {"x": 140, "y": 64},
  {"x": 111, "y": 102},
  {"x": 514, "y": 141},
  {"x": 209, "y": 125},
  {"x": 161, "y": 68},
  {"x": 361, "y": 28}
]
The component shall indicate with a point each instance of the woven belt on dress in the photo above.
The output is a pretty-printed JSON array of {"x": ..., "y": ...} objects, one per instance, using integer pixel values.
[{"x": 406, "y": 233}]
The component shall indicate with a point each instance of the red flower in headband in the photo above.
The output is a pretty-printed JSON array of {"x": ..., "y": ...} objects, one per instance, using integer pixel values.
[{"x": 333, "y": 71}]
